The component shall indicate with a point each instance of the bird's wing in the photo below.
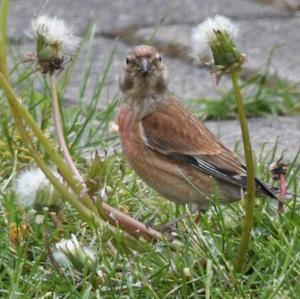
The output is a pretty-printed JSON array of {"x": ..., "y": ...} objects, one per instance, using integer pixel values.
[{"x": 177, "y": 134}]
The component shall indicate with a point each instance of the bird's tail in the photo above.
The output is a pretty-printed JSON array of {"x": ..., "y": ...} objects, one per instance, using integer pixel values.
[
  {"x": 288, "y": 195},
  {"x": 273, "y": 192}
]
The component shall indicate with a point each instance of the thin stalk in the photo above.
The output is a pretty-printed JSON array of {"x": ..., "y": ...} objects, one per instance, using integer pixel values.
[
  {"x": 13, "y": 172},
  {"x": 60, "y": 133},
  {"x": 250, "y": 200},
  {"x": 112, "y": 215},
  {"x": 127, "y": 223},
  {"x": 282, "y": 192}
]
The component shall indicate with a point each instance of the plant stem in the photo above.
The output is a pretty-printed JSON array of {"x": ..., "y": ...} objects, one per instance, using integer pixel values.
[
  {"x": 60, "y": 133},
  {"x": 112, "y": 215},
  {"x": 3, "y": 38},
  {"x": 282, "y": 192},
  {"x": 250, "y": 200}
]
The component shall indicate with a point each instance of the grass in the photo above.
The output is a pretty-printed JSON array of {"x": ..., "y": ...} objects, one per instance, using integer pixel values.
[{"x": 196, "y": 263}]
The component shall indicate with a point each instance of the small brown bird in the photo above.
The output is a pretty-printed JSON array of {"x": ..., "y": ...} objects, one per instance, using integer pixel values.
[{"x": 169, "y": 148}]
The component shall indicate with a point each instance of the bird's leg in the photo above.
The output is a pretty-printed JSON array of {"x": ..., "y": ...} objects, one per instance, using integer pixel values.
[{"x": 169, "y": 226}]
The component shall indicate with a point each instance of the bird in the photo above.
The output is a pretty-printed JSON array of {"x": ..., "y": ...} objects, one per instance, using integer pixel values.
[{"x": 170, "y": 149}]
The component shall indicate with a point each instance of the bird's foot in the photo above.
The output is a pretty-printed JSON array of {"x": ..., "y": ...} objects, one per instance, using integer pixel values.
[{"x": 170, "y": 226}]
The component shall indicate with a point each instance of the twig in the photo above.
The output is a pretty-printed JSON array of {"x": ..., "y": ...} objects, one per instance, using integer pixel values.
[{"x": 59, "y": 132}]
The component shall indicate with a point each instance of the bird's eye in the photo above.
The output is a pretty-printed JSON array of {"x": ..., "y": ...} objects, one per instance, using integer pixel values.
[
  {"x": 159, "y": 58},
  {"x": 127, "y": 60}
]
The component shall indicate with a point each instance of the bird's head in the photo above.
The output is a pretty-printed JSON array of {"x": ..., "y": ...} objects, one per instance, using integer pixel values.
[{"x": 144, "y": 73}]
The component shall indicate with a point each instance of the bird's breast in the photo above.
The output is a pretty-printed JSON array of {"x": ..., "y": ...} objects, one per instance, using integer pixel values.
[{"x": 128, "y": 132}]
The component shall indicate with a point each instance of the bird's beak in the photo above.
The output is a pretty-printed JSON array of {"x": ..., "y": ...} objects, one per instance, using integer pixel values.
[{"x": 144, "y": 65}]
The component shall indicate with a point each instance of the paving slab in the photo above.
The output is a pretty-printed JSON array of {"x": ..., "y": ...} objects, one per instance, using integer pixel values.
[
  {"x": 110, "y": 15},
  {"x": 257, "y": 38}
]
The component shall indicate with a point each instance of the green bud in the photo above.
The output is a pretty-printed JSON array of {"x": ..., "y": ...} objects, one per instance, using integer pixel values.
[{"x": 226, "y": 54}]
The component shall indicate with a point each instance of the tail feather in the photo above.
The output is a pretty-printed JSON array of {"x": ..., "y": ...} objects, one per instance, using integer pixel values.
[
  {"x": 273, "y": 192},
  {"x": 288, "y": 195},
  {"x": 264, "y": 189}
]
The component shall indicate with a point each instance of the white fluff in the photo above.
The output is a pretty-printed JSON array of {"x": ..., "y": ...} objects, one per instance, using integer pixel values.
[
  {"x": 204, "y": 34},
  {"x": 72, "y": 248},
  {"x": 55, "y": 32},
  {"x": 27, "y": 185},
  {"x": 113, "y": 127},
  {"x": 70, "y": 245},
  {"x": 61, "y": 259}
]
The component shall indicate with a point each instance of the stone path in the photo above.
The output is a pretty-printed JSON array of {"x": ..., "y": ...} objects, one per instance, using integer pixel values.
[{"x": 264, "y": 24}]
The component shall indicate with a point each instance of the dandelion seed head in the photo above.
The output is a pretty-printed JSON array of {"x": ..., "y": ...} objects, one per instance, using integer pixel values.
[
  {"x": 73, "y": 247},
  {"x": 55, "y": 33},
  {"x": 187, "y": 272},
  {"x": 27, "y": 185},
  {"x": 66, "y": 245},
  {"x": 70, "y": 252},
  {"x": 205, "y": 33},
  {"x": 61, "y": 258},
  {"x": 39, "y": 219}
]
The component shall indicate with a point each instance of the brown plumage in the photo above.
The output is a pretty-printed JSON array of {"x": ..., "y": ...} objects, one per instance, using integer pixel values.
[{"x": 170, "y": 149}]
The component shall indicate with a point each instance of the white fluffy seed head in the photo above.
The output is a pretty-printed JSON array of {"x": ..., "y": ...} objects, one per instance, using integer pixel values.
[
  {"x": 67, "y": 245},
  {"x": 71, "y": 253},
  {"x": 61, "y": 259},
  {"x": 204, "y": 34},
  {"x": 28, "y": 184},
  {"x": 55, "y": 32},
  {"x": 73, "y": 247}
]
